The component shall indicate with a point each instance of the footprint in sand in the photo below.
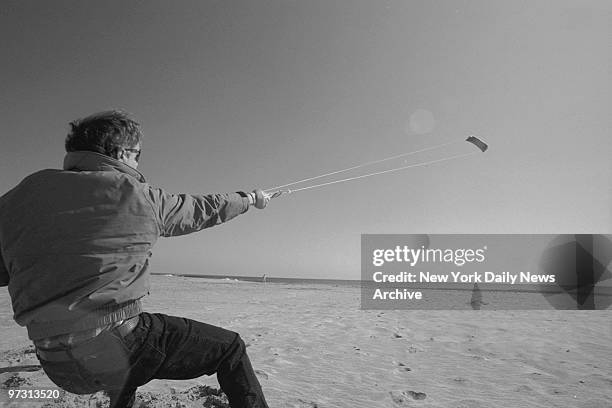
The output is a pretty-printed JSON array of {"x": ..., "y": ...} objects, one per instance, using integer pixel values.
[
  {"x": 16, "y": 381},
  {"x": 401, "y": 367},
  {"x": 403, "y": 398},
  {"x": 262, "y": 374},
  {"x": 274, "y": 351}
]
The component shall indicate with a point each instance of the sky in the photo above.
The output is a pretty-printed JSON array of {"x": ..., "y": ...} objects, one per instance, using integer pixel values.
[{"x": 237, "y": 95}]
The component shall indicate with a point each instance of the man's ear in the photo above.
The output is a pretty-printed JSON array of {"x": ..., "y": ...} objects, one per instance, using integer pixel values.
[{"x": 117, "y": 153}]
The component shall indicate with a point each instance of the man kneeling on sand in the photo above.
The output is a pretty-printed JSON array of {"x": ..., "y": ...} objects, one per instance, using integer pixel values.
[{"x": 74, "y": 251}]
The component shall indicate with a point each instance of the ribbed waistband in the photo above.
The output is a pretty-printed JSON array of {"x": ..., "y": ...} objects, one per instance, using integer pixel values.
[
  {"x": 68, "y": 341},
  {"x": 98, "y": 318}
]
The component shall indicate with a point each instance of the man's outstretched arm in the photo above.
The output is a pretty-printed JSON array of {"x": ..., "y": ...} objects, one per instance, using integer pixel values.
[{"x": 181, "y": 214}]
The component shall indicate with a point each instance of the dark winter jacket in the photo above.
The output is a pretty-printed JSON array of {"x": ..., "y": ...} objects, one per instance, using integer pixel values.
[{"x": 75, "y": 243}]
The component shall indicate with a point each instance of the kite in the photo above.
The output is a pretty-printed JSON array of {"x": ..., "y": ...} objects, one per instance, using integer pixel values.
[{"x": 478, "y": 143}]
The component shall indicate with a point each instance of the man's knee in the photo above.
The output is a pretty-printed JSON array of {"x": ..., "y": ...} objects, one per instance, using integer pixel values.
[
  {"x": 238, "y": 345},
  {"x": 235, "y": 352}
]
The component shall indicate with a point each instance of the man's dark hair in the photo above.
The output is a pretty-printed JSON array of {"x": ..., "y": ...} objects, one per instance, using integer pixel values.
[{"x": 104, "y": 132}]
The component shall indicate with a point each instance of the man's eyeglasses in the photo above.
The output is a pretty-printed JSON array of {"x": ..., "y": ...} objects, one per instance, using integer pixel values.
[{"x": 137, "y": 151}]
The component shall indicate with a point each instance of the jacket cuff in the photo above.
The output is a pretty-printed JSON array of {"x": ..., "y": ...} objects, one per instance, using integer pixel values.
[{"x": 246, "y": 200}]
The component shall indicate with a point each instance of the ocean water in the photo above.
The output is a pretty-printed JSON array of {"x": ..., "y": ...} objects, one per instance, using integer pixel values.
[
  {"x": 269, "y": 279},
  {"x": 455, "y": 297}
]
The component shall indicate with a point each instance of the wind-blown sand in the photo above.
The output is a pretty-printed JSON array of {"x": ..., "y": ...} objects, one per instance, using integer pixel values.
[{"x": 312, "y": 346}]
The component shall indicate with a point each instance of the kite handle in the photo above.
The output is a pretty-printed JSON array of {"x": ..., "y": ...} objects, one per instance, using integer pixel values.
[{"x": 279, "y": 193}]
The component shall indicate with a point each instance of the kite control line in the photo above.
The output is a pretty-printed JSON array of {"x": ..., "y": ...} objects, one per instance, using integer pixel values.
[
  {"x": 362, "y": 165},
  {"x": 472, "y": 139}
]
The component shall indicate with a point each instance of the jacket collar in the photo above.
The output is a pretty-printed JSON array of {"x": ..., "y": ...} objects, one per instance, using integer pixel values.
[{"x": 92, "y": 161}]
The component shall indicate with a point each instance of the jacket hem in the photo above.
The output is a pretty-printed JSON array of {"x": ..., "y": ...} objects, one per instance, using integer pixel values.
[{"x": 97, "y": 318}]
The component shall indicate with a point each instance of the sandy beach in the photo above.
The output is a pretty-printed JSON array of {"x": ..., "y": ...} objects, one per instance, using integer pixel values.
[{"x": 312, "y": 346}]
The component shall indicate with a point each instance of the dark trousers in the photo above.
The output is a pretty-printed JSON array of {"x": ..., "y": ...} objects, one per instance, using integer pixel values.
[{"x": 160, "y": 347}]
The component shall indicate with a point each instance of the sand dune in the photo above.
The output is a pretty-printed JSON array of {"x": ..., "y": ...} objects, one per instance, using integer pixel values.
[{"x": 313, "y": 347}]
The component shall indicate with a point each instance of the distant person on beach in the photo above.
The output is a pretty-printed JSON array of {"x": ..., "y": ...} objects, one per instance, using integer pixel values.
[
  {"x": 264, "y": 278},
  {"x": 74, "y": 251}
]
